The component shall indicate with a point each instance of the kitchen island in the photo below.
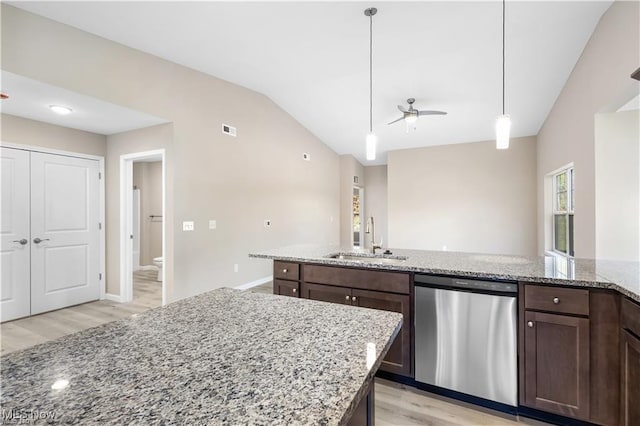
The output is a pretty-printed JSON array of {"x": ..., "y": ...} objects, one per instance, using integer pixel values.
[
  {"x": 546, "y": 337},
  {"x": 222, "y": 357}
]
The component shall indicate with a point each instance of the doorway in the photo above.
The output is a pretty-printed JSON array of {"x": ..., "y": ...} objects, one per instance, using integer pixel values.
[{"x": 142, "y": 225}]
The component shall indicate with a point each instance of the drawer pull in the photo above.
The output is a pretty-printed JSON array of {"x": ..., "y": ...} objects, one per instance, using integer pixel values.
[
  {"x": 353, "y": 299},
  {"x": 285, "y": 270},
  {"x": 556, "y": 300},
  {"x": 530, "y": 324},
  {"x": 295, "y": 290},
  {"x": 347, "y": 297}
]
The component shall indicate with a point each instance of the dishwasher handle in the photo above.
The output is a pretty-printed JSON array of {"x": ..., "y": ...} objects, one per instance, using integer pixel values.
[{"x": 471, "y": 284}]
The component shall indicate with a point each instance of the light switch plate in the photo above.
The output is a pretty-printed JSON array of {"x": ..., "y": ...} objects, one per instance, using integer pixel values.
[
  {"x": 267, "y": 223},
  {"x": 188, "y": 226},
  {"x": 212, "y": 224}
]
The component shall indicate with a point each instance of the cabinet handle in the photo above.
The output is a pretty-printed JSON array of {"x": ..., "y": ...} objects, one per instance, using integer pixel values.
[
  {"x": 530, "y": 324},
  {"x": 285, "y": 270},
  {"x": 556, "y": 300},
  {"x": 295, "y": 290},
  {"x": 353, "y": 299},
  {"x": 347, "y": 297}
]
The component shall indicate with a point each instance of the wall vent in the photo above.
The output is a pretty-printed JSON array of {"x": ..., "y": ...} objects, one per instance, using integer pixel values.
[{"x": 228, "y": 130}]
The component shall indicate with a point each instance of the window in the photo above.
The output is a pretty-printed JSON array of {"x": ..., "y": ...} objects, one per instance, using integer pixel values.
[{"x": 563, "y": 211}]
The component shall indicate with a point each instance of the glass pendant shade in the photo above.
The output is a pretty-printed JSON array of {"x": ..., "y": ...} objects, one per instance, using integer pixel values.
[
  {"x": 503, "y": 129},
  {"x": 372, "y": 141}
]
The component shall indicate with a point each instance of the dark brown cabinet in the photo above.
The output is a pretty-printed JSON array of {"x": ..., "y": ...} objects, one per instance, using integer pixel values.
[
  {"x": 630, "y": 364},
  {"x": 286, "y": 279},
  {"x": 286, "y": 288},
  {"x": 556, "y": 367},
  {"x": 383, "y": 290}
]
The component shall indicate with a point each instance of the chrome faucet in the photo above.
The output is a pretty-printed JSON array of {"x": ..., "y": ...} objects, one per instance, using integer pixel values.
[{"x": 371, "y": 230}]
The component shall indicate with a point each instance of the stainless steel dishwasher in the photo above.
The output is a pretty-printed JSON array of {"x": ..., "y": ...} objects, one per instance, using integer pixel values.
[{"x": 466, "y": 337}]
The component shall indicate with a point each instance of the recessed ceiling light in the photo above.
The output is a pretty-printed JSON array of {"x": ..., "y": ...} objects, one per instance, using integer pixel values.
[
  {"x": 60, "y": 384},
  {"x": 59, "y": 109}
]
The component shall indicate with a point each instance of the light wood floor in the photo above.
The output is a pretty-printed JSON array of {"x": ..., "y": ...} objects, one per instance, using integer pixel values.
[
  {"x": 395, "y": 404},
  {"x": 25, "y": 332}
]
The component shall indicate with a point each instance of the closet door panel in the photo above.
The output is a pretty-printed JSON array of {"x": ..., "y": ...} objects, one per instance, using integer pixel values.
[
  {"x": 64, "y": 231},
  {"x": 14, "y": 232}
]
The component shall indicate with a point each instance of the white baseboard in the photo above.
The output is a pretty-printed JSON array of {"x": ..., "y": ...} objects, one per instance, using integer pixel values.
[
  {"x": 113, "y": 297},
  {"x": 254, "y": 283}
]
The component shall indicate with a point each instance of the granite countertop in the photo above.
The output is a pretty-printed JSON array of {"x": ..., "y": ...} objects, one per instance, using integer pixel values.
[
  {"x": 617, "y": 275},
  {"x": 223, "y": 357}
]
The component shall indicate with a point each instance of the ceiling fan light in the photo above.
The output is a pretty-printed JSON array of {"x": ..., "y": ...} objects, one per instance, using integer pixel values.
[
  {"x": 372, "y": 141},
  {"x": 503, "y": 129},
  {"x": 411, "y": 118}
]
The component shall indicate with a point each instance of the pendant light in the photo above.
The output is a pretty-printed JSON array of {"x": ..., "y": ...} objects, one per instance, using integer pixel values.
[
  {"x": 372, "y": 139},
  {"x": 503, "y": 123}
]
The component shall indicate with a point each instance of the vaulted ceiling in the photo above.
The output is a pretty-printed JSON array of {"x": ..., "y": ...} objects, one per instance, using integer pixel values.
[{"x": 311, "y": 58}]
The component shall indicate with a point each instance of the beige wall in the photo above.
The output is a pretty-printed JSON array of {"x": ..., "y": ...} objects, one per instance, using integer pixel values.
[
  {"x": 375, "y": 202},
  {"x": 147, "y": 177},
  {"x": 134, "y": 141},
  {"x": 617, "y": 147},
  {"x": 599, "y": 81},
  {"x": 239, "y": 182},
  {"x": 349, "y": 168},
  {"x": 468, "y": 197},
  {"x": 36, "y": 133}
]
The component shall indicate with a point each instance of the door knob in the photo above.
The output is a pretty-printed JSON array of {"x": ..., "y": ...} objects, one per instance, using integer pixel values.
[
  {"x": 530, "y": 324},
  {"x": 353, "y": 299},
  {"x": 347, "y": 297},
  {"x": 38, "y": 240},
  {"x": 295, "y": 290},
  {"x": 22, "y": 241},
  {"x": 556, "y": 300}
]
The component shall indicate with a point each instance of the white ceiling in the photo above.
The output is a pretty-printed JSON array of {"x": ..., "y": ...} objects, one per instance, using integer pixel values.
[
  {"x": 31, "y": 99},
  {"x": 311, "y": 58}
]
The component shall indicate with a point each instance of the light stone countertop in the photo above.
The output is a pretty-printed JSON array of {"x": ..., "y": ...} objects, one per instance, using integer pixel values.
[
  {"x": 222, "y": 357},
  {"x": 616, "y": 275}
]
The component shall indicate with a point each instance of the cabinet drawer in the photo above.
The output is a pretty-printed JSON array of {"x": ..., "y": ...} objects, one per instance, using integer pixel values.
[
  {"x": 556, "y": 299},
  {"x": 395, "y": 282},
  {"x": 286, "y": 288},
  {"x": 630, "y": 316},
  {"x": 286, "y": 270}
]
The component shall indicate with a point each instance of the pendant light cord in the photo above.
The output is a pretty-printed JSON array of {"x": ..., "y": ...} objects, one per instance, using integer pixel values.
[
  {"x": 371, "y": 73},
  {"x": 503, "y": 55}
]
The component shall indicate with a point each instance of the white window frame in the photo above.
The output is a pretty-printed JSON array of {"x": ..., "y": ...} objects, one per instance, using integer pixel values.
[{"x": 570, "y": 211}]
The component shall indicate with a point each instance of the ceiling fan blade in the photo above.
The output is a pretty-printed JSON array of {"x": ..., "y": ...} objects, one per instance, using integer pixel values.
[
  {"x": 394, "y": 121},
  {"x": 403, "y": 109},
  {"x": 421, "y": 113}
]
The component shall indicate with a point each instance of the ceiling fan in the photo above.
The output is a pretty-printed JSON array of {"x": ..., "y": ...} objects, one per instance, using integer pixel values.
[{"x": 410, "y": 116}]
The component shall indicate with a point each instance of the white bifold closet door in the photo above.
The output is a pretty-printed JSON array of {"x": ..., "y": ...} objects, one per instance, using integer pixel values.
[
  {"x": 15, "y": 291},
  {"x": 52, "y": 202}
]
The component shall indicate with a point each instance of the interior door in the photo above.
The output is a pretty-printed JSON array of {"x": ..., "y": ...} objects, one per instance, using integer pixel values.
[
  {"x": 64, "y": 231},
  {"x": 14, "y": 230}
]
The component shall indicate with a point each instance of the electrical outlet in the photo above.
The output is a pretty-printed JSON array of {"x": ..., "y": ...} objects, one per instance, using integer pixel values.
[
  {"x": 212, "y": 224},
  {"x": 188, "y": 226},
  {"x": 267, "y": 223},
  {"x": 235, "y": 267}
]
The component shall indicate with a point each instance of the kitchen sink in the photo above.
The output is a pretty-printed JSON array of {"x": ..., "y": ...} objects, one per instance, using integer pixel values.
[{"x": 357, "y": 257}]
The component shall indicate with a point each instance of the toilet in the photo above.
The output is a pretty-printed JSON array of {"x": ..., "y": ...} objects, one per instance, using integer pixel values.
[{"x": 158, "y": 262}]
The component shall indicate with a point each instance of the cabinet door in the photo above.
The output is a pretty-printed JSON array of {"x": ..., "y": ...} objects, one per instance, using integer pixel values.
[
  {"x": 630, "y": 379},
  {"x": 326, "y": 293},
  {"x": 286, "y": 288},
  {"x": 398, "y": 359},
  {"x": 557, "y": 364}
]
